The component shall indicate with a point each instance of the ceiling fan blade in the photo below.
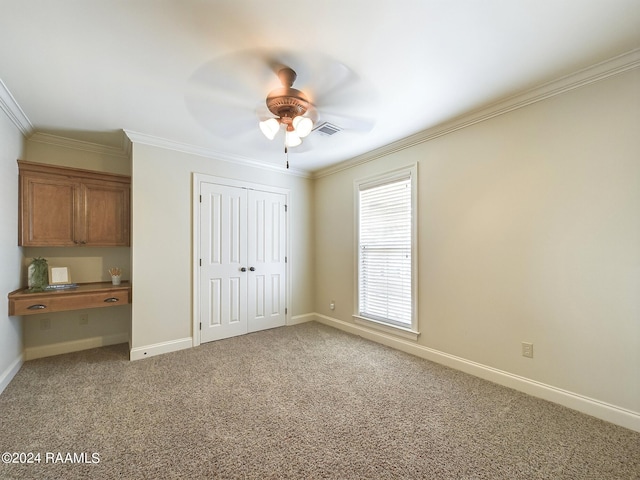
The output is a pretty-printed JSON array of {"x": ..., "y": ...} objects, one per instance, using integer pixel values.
[
  {"x": 244, "y": 72},
  {"x": 331, "y": 78},
  {"x": 222, "y": 94},
  {"x": 224, "y": 125},
  {"x": 356, "y": 97},
  {"x": 341, "y": 97}
]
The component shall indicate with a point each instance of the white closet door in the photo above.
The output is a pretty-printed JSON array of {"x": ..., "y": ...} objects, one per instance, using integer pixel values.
[
  {"x": 223, "y": 252},
  {"x": 242, "y": 264},
  {"x": 267, "y": 261}
]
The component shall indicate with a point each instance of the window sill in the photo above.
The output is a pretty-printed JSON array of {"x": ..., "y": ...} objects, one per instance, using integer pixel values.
[{"x": 403, "y": 332}]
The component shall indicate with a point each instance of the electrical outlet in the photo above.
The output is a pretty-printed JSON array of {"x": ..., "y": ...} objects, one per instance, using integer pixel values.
[
  {"x": 527, "y": 349},
  {"x": 332, "y": 305},
  {"x": 45, "y": 323},
  {"x": 84, "y": 319}
]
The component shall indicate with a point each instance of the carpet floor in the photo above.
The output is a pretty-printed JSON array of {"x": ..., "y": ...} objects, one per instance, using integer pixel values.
[{"x": 300, "y": 402}]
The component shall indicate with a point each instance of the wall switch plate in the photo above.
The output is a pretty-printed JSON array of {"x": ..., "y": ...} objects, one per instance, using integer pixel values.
[{"x": 527, "y": 349}]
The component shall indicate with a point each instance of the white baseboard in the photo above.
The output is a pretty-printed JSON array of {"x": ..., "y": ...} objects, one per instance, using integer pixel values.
[
  {"x": 147, "y": 351},
  {"x": 10, "y": 372},
  {"x": 298, "y": 319},
  {"x": 604, "y": 411},
  {"x": 32, "y": 353}
]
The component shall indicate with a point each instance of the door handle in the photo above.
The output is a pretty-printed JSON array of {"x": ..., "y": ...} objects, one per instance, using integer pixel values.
[
  {"x": 243, "y": 269},
  {"x": 253, "y": 269}
]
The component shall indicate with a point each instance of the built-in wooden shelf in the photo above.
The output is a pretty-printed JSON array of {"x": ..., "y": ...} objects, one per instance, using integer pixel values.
[{"x": 86, "y": 295}]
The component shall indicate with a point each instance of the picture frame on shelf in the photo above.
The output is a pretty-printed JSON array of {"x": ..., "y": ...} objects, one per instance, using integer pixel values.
[{"x": 59, "y": 276}]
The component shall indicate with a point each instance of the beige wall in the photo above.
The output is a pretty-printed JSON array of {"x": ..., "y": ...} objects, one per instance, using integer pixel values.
[
  {"x": 11, "y": 148},
  {"x": 58, "y": 151},
  {"x": 529, "y": 230},
  {"x": 162, "y": 239},
  {"x": 86, "y": 264}
]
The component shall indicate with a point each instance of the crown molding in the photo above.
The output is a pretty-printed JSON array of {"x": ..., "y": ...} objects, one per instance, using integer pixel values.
[
  {"x": 145, "y": 139},
  {"x": 586, "y": 76},
  {"x": 127, "y": 146},
  {"x": 9, "y": 105}
]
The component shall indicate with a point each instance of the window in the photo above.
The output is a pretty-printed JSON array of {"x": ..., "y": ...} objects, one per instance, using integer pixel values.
[{"x": 386, "y": 249}]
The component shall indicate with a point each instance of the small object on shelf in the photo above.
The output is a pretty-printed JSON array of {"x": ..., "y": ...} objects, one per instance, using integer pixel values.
[
  {"x": 59, "y": 276},
  {"x": 38, "y": 275},
  {"x": 61, "y": 286},
  {"x": 115, "y": 273}
]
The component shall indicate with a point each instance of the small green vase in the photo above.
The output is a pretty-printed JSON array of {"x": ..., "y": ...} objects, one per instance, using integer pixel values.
[{"x": 38, "y": 274}]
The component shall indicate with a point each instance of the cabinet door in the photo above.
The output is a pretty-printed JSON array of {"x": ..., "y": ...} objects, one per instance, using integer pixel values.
[
  {"x": 105, "y": 214},
  {"x": 48, "y": 212}
]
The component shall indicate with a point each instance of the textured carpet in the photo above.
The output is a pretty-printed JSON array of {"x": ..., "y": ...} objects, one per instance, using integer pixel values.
[{"x": 299, "y": 402}]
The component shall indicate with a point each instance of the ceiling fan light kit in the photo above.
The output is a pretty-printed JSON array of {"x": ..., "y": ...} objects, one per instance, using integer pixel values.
[
  {"x": 270, "y": 127},
  {"x": 302, "y": 126},
  {"x": 289, "y": 105},
  {"x": 291, "y": 139}
]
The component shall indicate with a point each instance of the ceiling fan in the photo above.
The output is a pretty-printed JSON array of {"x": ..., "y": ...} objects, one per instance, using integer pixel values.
[
  {"x": 227, "y": 97},
  {"x": 290, "y": 106}
]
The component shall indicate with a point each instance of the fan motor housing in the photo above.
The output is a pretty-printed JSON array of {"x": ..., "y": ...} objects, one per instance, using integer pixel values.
[{"x": 287, "y": 103}]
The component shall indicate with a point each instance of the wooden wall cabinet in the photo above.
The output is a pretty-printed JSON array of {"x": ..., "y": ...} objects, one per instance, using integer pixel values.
[{"x": 66, "y": 207}]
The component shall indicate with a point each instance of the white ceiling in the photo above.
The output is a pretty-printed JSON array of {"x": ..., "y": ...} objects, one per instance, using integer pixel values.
[{"x": 194, "y": 72}]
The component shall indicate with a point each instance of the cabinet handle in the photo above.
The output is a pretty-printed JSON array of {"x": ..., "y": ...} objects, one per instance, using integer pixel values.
[
  {"x": 253, "y": 269},
  {"x": 243, "y": 269},
  {"x": 112, "y": 300},
  {"x": 38, "y": 306}
]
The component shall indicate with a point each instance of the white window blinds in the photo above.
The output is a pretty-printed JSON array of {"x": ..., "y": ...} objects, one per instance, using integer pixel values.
[{"x": 385, "y": 234}]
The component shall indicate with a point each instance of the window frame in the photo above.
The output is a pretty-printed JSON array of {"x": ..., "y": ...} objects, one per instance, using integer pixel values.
[{"x": 411, "y": 172}]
